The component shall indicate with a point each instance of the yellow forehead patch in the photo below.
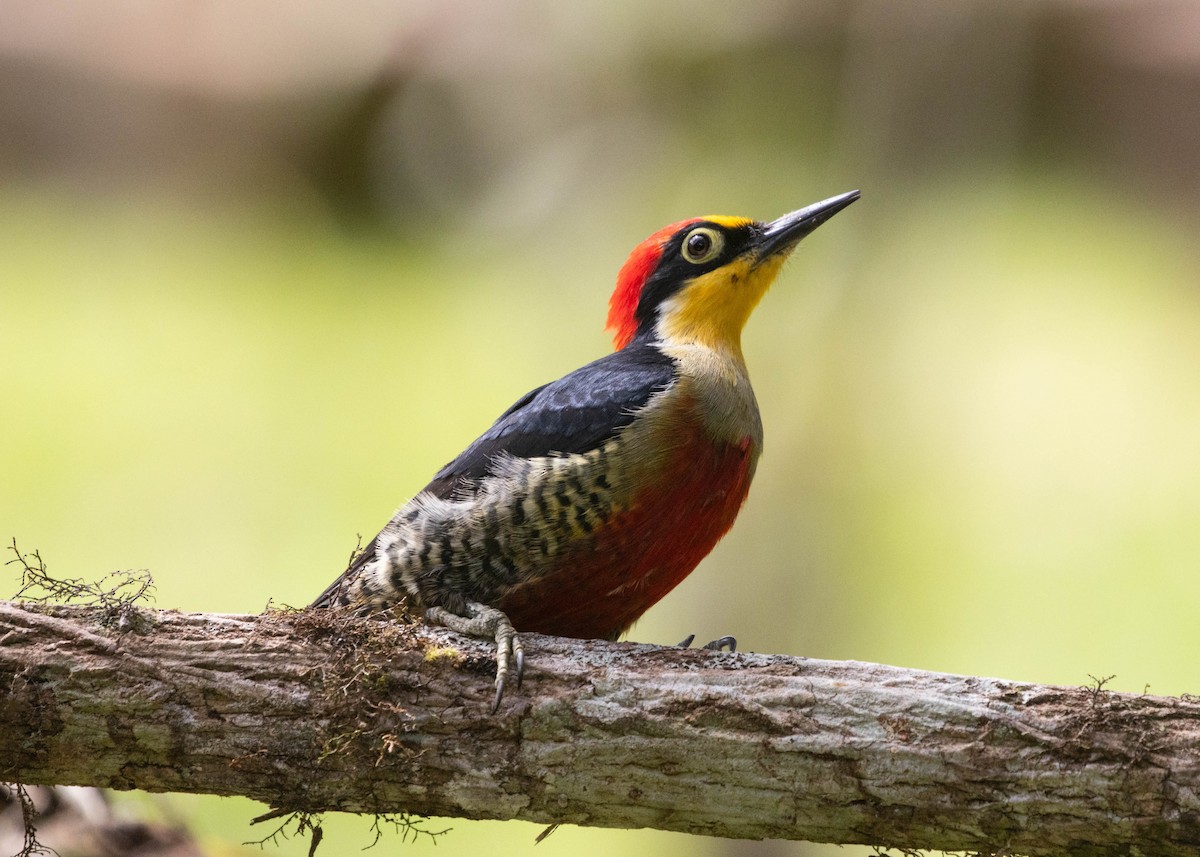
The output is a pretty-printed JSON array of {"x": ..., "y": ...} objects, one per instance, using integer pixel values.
[{"x": 727, "y": 221}]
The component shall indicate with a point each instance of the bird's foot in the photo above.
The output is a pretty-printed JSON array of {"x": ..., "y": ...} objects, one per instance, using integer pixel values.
[
  {"x": 721, "y": 644},
  {"x": 490, "y": 623}
]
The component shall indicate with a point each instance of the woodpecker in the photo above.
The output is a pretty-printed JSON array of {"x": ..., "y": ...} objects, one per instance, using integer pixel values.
[{"x": 594, "y": 495}]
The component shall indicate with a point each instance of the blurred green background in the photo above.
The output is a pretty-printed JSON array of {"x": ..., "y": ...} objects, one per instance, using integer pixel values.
[{"x": 267, "y": 266}]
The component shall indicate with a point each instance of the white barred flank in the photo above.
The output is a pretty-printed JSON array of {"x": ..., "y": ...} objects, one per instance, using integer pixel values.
[{"x": 509, "y": 527}]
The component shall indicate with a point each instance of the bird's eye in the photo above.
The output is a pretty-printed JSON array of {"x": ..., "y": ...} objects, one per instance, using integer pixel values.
[{"x": 702, "y": 245}]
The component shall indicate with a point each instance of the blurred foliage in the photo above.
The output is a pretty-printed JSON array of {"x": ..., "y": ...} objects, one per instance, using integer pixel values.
[{"x": 253, "y": 294}]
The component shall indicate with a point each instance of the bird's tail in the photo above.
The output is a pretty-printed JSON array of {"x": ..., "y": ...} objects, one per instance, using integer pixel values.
[{"x": 339, "y": 592}]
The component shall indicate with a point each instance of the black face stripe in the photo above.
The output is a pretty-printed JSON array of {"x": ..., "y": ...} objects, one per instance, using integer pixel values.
[{"x": 674, "y": 271}]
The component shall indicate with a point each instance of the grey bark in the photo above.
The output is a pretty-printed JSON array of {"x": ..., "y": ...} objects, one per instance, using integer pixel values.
[{"x": 320, "y": 711}]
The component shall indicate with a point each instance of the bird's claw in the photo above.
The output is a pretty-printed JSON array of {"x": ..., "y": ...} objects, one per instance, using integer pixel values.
[
  {"x": 721, "y": 644},
  {"x": 508, "y": 647},
  {"x": 488, "y": 622}
]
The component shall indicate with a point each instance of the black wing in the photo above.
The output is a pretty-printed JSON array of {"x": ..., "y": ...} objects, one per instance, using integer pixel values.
[{"x": 574, "y": 414}]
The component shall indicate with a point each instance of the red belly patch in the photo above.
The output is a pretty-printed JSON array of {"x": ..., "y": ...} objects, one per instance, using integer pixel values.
[{"x": 641, "y": 553}]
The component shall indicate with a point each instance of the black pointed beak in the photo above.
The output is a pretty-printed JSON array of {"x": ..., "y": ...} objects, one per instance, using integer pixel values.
[{"x": 781, "y": 235}]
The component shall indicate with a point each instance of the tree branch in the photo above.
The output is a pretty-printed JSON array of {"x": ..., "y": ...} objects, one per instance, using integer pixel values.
[{"x": 321, "y": 711}]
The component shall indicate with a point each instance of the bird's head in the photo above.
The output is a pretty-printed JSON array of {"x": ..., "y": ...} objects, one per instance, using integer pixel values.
[{"x": 698, "y": 280}]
